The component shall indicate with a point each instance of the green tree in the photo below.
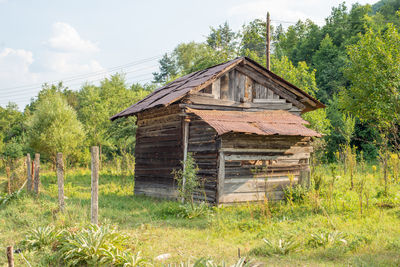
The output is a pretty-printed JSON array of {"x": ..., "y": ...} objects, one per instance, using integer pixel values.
[
  {"x": 327, "y": 61},
  {"x": 304, "y": 78},
  {"x": 168, "y": 70},
  {"x": 374, "y": 94},
  {"x": 253, "y": 40},
  {"x": 222, "y": 39},
  {"x": 374, "y": 73},
  {"x": 98, "y": 103},
  {"x": 54, "y": 127}
]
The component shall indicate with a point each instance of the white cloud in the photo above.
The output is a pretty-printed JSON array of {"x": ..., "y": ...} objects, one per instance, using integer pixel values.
[
  {"x": 71, "y": 63},
  {"x": 288, "y": 10},
  {"x": 65, "y": 54},
  {"x": 69, "y": 53},
  {"x": 66, "y": 39},
  {"x": 15, "y": 67}
]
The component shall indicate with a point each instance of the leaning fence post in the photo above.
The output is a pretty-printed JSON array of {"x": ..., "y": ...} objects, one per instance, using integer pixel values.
[
  {"x": 10, "y": 256},
  {"x": 29, "y": 173},
  {"x": 95, "y": 185},
  {"x": 37, "y": 176},
  {"x": 8, "y": 180},
  {"x": 60, "y": 180}
]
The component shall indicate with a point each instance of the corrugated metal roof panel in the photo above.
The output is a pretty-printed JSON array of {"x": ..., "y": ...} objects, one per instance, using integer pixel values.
[{"x": 271, "y": 122}]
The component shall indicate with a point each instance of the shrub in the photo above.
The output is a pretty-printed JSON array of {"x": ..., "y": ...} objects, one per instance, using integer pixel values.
[
  {"x": 41, "y": 237},
  {"x": 327, "y": 239},
  {"x": 295, "y": 194},
  {"x": 127, "y": 259},
  {"x": 206, "y": 262},
  {"x": 194, "y": 211},
  {"x": 282, "y": 246},
  {"x": 92, "y": 245},
  {"x": 187, "y": 179}
]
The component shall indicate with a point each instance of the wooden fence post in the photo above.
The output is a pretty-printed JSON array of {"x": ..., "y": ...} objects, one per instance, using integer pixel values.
[
  {"x": 60, "y": 180},
  {"x": 95, "y": 185},
  {"x": 29, "y": 173},
  {"x": 10, "y": 256},
  {"x": 32, "y": 173},
  {"x": 37, "y": 176},
  {"x": 8, "y": 180}
]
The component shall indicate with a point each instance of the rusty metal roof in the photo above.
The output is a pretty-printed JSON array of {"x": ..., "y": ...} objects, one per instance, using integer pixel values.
[
  {"x": 177, "y": 89},
  {"x": 270, "y": 122}
]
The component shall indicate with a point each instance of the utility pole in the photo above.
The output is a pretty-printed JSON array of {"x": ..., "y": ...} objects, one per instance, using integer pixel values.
[{"x": 268, "y": 48}]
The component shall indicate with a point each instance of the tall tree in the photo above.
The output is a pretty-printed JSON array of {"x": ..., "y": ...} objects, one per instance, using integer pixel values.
[
  {"x": 374, "y": 72},
  {"x": 327, "y": 61},
  {"x": 54, "y": 127},
  {"x": 253, "y": 40},
  {"x": 168, "y": 69},
  {"x": 222, "y": 39},
  {"x": 304, "y": 78}
]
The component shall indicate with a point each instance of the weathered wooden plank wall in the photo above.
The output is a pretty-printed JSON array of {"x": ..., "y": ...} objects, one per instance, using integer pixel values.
[
  {"x": 240, "y": 89},
  {"x": 203, "y": 145},
  {"x": 158, "y": 151},
  {"x": 259, "y": 166}
]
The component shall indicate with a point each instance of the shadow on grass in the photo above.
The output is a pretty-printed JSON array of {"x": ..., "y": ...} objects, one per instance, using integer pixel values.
[{"x": 117, "y": 204}]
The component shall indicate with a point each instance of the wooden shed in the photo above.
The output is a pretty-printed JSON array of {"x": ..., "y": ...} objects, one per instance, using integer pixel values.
[{"x": 240, "y": 121}]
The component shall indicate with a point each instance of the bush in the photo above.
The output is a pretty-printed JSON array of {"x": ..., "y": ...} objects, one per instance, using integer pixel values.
[
  {"x": 295, "y": 194},
  {"x": 185, "y": 210},
  {"x": 187, "y": 179},
  {"x": 327, "y": 239},
  {"x": 41, "y": 237},
  {"x": 282, "y": 246},
  {"x": 194, "y": 211},
  {"x": 91, "y": 246},
  {"x": 206, "y": 262}
]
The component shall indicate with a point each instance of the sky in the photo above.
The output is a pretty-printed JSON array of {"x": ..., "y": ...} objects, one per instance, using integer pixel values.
[{"x": 84, "y": 41}]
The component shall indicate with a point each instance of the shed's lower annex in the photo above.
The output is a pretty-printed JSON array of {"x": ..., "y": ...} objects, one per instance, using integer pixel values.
[{"x": 240, "y": 122}]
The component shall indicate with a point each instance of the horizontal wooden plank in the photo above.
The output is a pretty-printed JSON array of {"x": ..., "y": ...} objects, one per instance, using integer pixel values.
[
  {"x": 196, "y": 99},
  {"x": 240, "y": 157},
  {"x": 246, "y": 197},
  {"x": 252, "y": 150},
  {"x": 269, "y": 101},
  {"x": 257, "y": 185}
]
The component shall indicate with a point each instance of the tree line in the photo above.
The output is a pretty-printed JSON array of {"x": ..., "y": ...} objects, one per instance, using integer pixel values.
[
  {"x": 63, "y": 120},
  {"x": 351, "y": 63}
]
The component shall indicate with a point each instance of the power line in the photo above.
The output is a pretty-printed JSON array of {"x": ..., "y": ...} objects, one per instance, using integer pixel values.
[
  {"x": 67, "y": 83},
  {"x": 86, "y": 75},
  {"x": 130, "y": 80}
]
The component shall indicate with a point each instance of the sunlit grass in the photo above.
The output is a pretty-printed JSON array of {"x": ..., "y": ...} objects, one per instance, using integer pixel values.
[{"x": 155, "y": 228}]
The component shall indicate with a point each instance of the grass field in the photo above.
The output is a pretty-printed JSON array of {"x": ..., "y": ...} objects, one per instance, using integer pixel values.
[{"x": 154, "y": 226}]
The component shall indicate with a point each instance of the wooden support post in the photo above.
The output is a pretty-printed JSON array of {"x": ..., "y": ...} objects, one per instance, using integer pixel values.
[
  {"x": 28, "y": 173},
  {"x": 304, "y": 178},
  {"x": 37, "y": 176},
  {"x": 60, "y": 180},
  {"x": 221, "y": 177},
  {"x": 95, "y": 185},
  {"x": 268, "y": 48},
  {"x": 8, "y": 180},
  {"x": 10, "y": 256},
  {"x": 185, "y": 149}
]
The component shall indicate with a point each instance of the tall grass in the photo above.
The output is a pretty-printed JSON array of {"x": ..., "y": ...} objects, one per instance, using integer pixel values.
[{"x": 330, "y": 206}]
